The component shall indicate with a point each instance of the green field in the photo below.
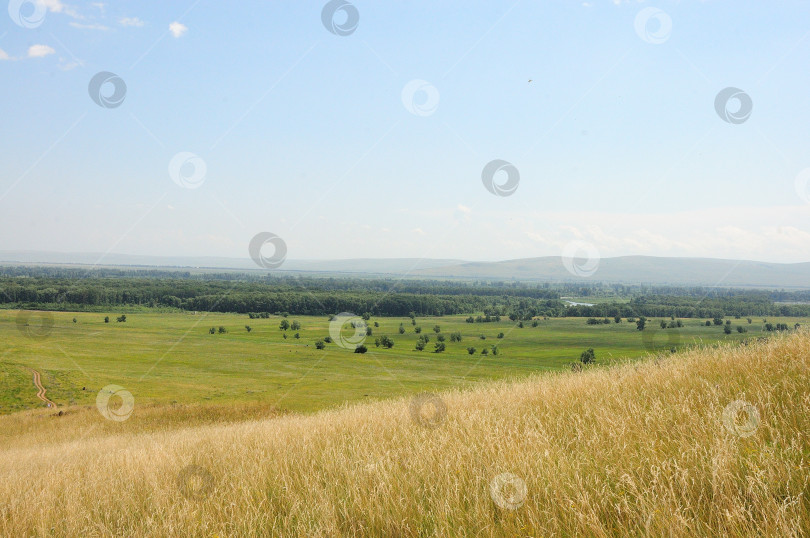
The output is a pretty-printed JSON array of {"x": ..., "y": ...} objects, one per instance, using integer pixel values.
[{"x": 171, "y": 357}]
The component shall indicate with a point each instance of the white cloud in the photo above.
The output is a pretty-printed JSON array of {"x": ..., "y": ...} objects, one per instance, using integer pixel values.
[
  {"x": 40, "y": 51},
  {"x": 132, "y": 21},
  {"x": 100, "y": 5},
  {"x": 464, "y": 209},
  {"x": 419, "y": 231},
  {"x": 56, "y": 6},
  {"x": 3, "y": 55},
  {"x": 65, "y": 65},
  {"x": 88, "y": 26},
  {"x": 177, "y": 29}
]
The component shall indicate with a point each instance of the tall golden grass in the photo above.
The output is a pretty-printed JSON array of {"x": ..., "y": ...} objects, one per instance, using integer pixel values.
[{"x": 631, "y": 450}]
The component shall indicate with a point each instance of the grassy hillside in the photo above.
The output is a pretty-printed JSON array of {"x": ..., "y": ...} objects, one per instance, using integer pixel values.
[{"x": 709, "y": 442}]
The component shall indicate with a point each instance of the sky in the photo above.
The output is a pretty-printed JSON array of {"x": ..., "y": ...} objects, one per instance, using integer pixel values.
[{"x": 367, "y": 129}]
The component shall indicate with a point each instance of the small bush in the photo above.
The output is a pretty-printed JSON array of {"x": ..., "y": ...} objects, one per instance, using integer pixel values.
[{"x": 587, "y": 356}]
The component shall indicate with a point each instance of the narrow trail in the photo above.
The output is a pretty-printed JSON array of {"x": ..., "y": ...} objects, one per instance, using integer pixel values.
[{"x": 41, "y": 390}]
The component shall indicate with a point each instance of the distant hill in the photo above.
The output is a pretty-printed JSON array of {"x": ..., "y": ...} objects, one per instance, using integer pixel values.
[
  {"x": 623, "y": 269},
  {"x": 358, "y": 265},
  {"x": 640, "y": 269}
]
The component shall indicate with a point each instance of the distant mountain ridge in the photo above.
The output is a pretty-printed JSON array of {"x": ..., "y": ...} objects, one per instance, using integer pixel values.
[
  {"x": 623, "y": 269},
  {"x": 641, "y": 269}
]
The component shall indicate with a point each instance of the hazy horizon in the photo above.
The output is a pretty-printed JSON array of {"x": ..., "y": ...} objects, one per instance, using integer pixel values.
[{"x": 358, "y": 130}]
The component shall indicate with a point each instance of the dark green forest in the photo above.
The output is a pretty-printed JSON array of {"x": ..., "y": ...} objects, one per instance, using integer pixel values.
[{"x": 78, "y": 289}]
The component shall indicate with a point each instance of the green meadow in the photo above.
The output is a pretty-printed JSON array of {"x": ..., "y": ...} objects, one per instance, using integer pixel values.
[{"x": 164, "y": 358}]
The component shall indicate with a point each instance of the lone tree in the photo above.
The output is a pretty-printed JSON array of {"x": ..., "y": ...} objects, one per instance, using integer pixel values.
[
  {"x": 248, "y": 328},
  {"x": 284, "y": 325},
  {"x": 295, "y": 326},
  {"x": 587, "y": 356},
  {"x": 319, "y": 344},
  {"x": 121, "y": 319},
  {"x": 641, "y": 323},
  {"x": 360, "y": 349}
]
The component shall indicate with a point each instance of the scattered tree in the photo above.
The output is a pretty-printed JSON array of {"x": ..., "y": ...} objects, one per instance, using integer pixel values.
[{"x": 587, "y": 356}]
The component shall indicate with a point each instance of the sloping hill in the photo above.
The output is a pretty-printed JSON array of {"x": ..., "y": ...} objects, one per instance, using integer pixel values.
[
  {"x": 641, "y": 269},
  {"x": 711, "y": 442}
]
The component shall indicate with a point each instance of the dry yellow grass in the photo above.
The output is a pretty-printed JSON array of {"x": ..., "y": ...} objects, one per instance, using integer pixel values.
[{"x": 637, "y": 449}]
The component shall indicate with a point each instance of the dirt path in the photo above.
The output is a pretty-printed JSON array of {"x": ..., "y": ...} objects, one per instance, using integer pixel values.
[{"x": 41, "y": 390}]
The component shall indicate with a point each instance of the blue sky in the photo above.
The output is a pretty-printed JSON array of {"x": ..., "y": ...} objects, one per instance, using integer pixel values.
[{"x": 307, "y": 134}]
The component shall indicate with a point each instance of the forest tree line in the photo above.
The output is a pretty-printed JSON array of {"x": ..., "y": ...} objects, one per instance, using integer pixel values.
[{"x": 84, "y": 289}]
